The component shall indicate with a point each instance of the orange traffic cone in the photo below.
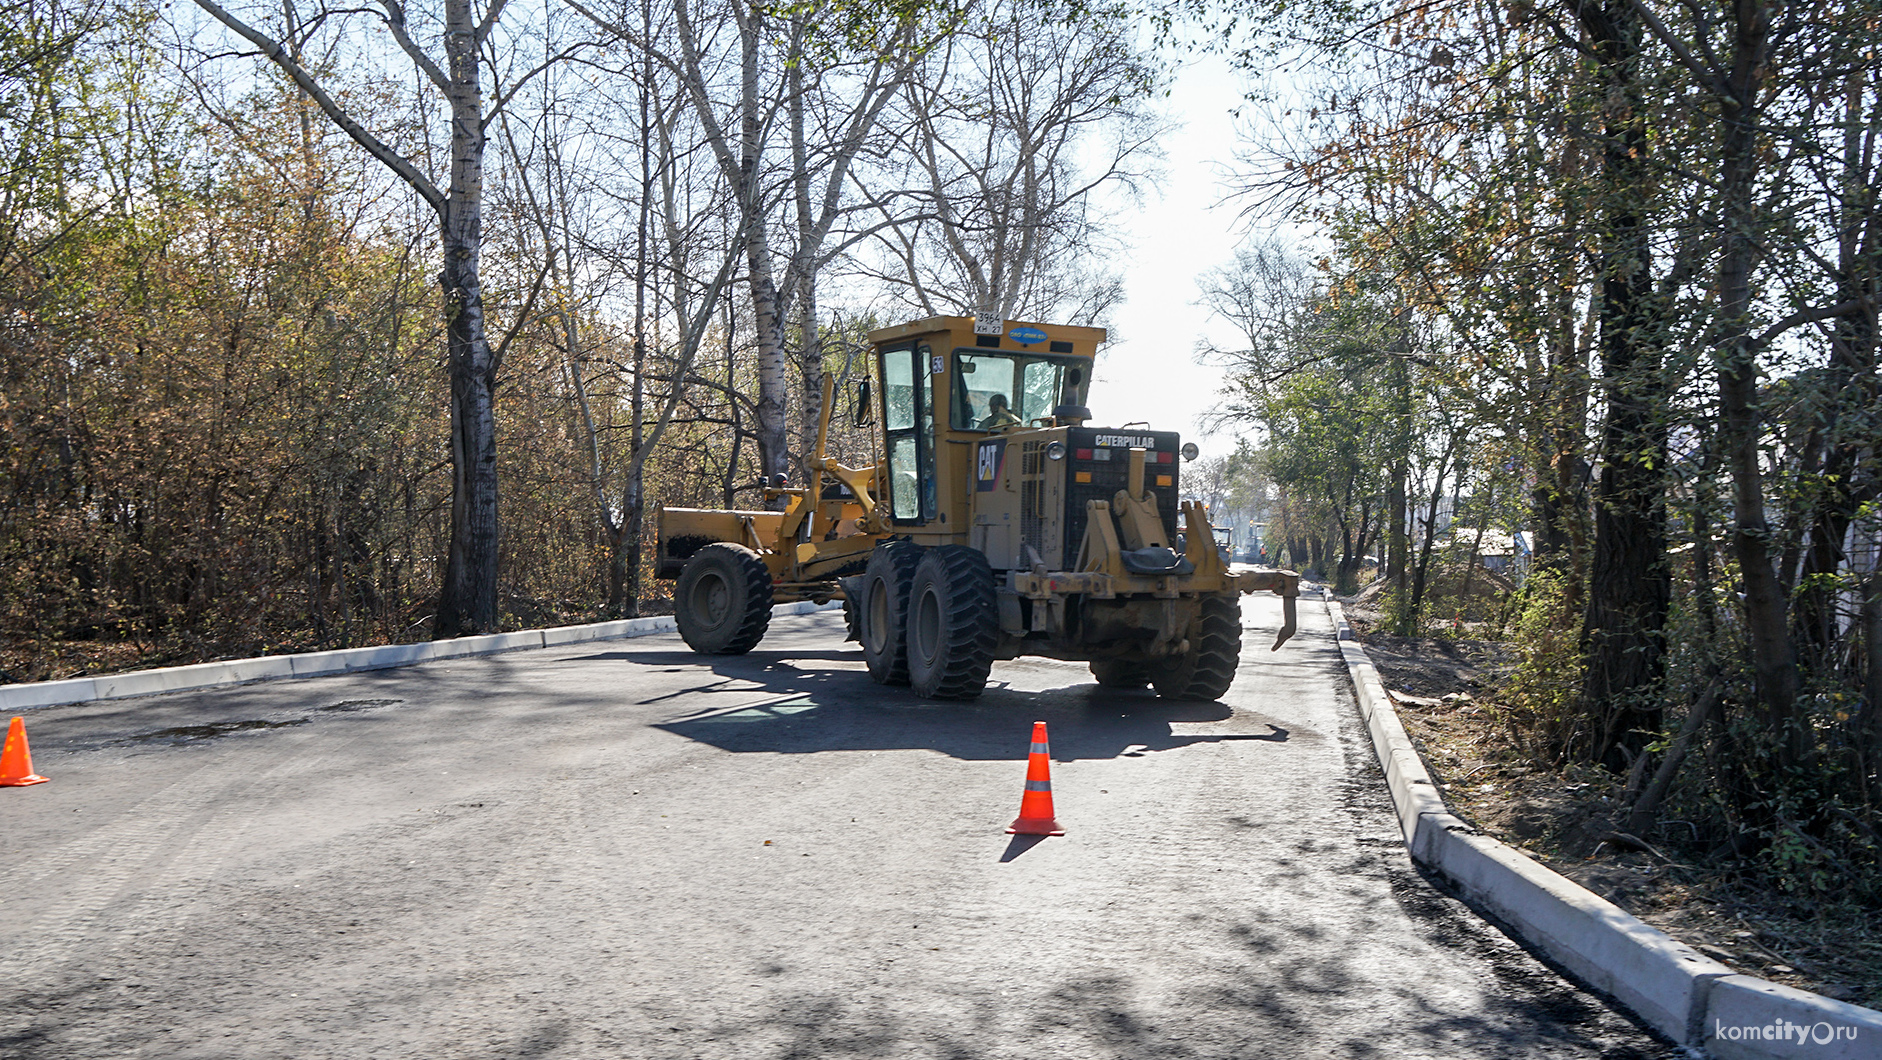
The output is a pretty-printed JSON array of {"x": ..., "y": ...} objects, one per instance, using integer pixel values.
[
  {"x": 16, "y": 761},
  {"x": 1035, "y": 807}
]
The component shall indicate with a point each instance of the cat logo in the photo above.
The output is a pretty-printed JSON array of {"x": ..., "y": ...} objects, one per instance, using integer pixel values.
[{"x": 987, "y": 463}]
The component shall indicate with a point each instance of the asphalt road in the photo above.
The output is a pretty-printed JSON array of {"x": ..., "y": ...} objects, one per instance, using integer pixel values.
[{"x": 626, "y": 850}]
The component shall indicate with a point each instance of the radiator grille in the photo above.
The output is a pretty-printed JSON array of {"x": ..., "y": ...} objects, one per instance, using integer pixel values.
[{"x": 1110, "y": 475}]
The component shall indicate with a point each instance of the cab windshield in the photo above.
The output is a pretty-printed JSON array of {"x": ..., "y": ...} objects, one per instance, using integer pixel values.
[{"x": 996, "y": 390}]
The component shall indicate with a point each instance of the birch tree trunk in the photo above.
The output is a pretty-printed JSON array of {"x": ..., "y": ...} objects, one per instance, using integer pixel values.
[
  {"x": 624, "y": 565},
  {"x": 467, "y": 598},
  {"x": 804, "y": 278},
  {"x": 767, "y": 320},
  {"x": 467, "y": 602}
]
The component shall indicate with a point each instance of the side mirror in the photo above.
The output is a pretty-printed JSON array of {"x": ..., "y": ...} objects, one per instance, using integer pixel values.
[{"x": 864, "y": 414}]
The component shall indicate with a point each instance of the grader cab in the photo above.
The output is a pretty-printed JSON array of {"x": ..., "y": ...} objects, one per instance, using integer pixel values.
[{"x": 996, "y": 524}]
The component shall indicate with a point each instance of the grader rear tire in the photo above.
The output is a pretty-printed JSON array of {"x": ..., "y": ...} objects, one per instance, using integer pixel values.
[
  {"x": 882, "y": 610},
  {"x": 1114, "y": 674},
  {"x": 953, "y": 624},
  {"x": 723, "y": 601},
  {"x": 1215, "y": 648}
]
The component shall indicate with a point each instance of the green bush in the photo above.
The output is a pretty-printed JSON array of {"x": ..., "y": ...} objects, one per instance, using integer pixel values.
[{"x": 1538, "y": 701}]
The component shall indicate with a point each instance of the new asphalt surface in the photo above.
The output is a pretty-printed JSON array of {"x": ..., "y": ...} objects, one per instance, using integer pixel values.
[{"x": 622, "y": 849}]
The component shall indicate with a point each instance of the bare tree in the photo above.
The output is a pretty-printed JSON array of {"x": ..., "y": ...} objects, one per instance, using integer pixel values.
[
  {"x": 745, "y": 71},
  {"x": 634, "y": 275},
  {"x": 1013, "y": 124},
  {"x": 467, "y": 600},
  {"x": 835, "y": 107}
]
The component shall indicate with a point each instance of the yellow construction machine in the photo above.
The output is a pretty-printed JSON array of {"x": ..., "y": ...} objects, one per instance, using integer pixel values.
[{"x": 995, "y": 524}]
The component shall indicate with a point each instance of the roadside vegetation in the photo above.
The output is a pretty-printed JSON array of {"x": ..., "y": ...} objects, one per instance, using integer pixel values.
[
  {"x": 1603, "y": 278},
  {"x": 326, "y": 326}
]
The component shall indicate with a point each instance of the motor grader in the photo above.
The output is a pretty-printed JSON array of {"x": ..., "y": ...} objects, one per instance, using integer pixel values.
[{"x": 994, "y": 524}]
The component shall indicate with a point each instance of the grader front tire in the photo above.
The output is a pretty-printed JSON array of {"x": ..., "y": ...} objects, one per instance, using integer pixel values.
[
  {"x": 953, "y": 624},
  {"x": 1205, "y": 673},
  {"x": 723, "y": 601}
]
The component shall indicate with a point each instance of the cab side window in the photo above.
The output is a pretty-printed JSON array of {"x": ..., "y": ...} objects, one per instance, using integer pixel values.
[{"x": 908, "y": 422}]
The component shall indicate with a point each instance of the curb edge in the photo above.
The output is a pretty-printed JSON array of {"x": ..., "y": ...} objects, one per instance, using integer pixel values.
[
  {"x": 197, "y": 676},
  {"x": 1673, "y": 988}
]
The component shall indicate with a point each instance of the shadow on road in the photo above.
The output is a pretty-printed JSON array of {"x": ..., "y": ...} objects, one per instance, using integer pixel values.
[
  {"x": 1021, "y": 844},
  {"x": 805, "y": 709}
]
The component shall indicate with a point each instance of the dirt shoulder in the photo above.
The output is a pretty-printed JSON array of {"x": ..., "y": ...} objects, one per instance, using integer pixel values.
[{"x": 1567, "y": 818}]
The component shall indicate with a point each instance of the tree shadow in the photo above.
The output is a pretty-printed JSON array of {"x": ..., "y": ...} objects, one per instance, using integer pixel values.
[{"x": 1289, "y": 996}]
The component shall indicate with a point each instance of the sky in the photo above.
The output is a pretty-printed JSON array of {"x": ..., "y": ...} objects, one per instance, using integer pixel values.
[{"x": 1180, "y": 232}]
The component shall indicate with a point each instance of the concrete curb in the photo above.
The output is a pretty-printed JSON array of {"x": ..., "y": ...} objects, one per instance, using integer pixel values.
[
  {"x": 1751, "y": 1019},
  {"x": 1681, "y": 993},
  {"x": 346, "y": 660}
]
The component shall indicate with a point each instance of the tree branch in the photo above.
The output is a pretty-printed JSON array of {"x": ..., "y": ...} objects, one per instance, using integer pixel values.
[
  {"x": 1802, "y": 317},
  {"x": 374, "y": 146},
  {"x": 395, "y": 20},
  {"x": 489, "y": 21},
  {"x": 503, "y": 101},
  {"x": 523, "y": 319},
  {"x": 1707, "y": 76}
]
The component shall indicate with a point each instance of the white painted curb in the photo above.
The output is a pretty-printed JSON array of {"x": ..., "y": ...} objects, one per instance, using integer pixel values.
[
  {"x": 1681, "y": 993},
  {"x": 345, "y": 660}
]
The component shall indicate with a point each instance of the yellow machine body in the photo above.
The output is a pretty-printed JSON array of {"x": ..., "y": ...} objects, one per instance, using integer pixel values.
[{"x": 984, "y": 443}]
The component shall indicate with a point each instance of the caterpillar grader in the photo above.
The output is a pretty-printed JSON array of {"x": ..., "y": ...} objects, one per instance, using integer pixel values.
[{"x": 995, "y": 523}]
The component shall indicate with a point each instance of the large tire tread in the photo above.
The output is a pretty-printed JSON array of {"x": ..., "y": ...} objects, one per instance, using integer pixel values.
[
  {"x": 748, "y": 585},
  {"x": 891, "y": 564},
  {"x": 852, "y": 608},
  {"x": 1206, "y": 672},
  {"x": 969, "y": 624}
]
